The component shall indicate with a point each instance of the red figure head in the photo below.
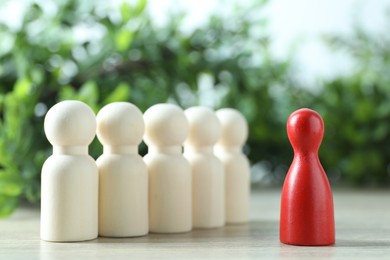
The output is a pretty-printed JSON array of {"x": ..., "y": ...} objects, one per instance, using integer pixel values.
[{"x": 305, "y": 129}]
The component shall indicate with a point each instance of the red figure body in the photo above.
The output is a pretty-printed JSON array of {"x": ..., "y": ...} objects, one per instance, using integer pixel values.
[{"x": 306, "y": 216}]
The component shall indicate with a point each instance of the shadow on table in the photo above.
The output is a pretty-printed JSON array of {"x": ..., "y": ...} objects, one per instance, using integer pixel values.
[
  {"x": 232, "y": 241},
  {"x": 251, "y": 231}
]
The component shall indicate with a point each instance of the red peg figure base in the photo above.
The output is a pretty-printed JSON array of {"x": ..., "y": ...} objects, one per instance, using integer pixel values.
[{"x": 307, "y": 215}]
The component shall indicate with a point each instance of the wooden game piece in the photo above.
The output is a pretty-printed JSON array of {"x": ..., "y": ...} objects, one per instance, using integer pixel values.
[
  {"x": 306, "y": 217},
  {"x": 69, "y": 205},
  {"x": 236, "y": 165},
  {"x": 123, "y": 175},
  {"x": 170, "y": 207},
  {"x": 208, "y": 184}
]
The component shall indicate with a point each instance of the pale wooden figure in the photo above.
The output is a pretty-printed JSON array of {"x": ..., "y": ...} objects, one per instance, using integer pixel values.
[
  {"x": 208, "y": 182},
  {"x": 69, "y": 206},
  {"x": 123, "y": 176},
  {"x": 169, "y": 172},
  {"x": 237, "y": 172}
]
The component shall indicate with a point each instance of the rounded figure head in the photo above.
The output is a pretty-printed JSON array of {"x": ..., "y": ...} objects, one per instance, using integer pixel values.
[
  {"x": 305, "y": 129},
  {"x": 205, "y": 128},
  {"x": 70, "y": 123},
  {"x": 234, "y": 127},
  {"x": 165, "y": 125},
  {"x": 119, "y": 124}
]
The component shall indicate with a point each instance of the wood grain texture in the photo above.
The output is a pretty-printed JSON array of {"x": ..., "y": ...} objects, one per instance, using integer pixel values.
[{"x": 362, "y": 232}]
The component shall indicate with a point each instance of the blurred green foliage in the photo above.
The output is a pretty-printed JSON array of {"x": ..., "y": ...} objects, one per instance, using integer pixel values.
[
  {"x": 356, "y": 109},
  {"x": 100, "y": 54}
]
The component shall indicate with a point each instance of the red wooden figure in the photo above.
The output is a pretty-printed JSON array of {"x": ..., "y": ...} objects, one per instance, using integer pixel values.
[{"x": 306, "y": 216}]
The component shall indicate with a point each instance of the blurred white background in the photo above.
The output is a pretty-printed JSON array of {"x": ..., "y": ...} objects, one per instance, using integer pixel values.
[{"x": 296, "y": 27}]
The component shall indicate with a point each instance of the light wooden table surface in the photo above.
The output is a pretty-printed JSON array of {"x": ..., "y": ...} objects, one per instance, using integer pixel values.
[{"x": 362, "y": 232}]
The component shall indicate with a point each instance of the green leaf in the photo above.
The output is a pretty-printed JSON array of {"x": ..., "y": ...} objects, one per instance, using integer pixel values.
[
  {"x": 123, "y": 39},
  {"x": 120, "y": 93},
  {"x": 130, "y": 11},
  {"x": 7, "y": 205},
  {"x": 125, "y": 11},
  {"x": 11, "y": 185},
  {"x": 67, "y": 93},
  {"x": 89, "y": 93},
  {"x": 140, "y": 7},
  {"x": 22, "y": 87},
  {"x": 13, "y": 117}
]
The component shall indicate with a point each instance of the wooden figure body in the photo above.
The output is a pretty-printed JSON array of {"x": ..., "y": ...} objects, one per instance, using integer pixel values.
[
  {"x": 69, "y": 205},
  {"x": 170, "y": 207},
  {"x": 236, "y": 165},
  {"x": 306, "y": 216},
  {"x": 123, "y": 176},
  {"x": 208, "y": 182}
]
